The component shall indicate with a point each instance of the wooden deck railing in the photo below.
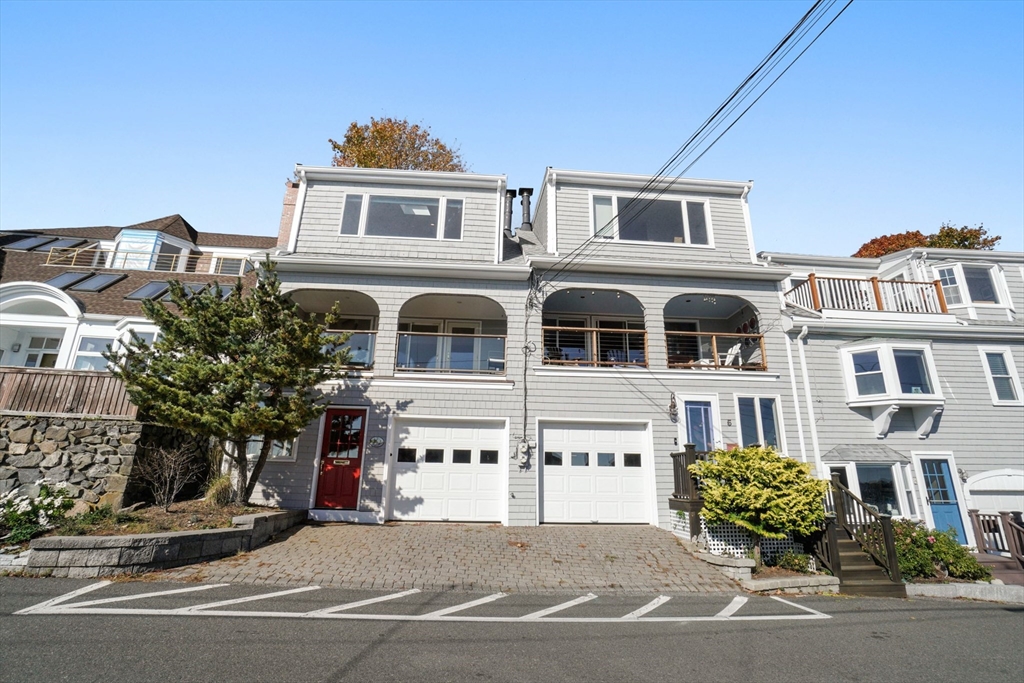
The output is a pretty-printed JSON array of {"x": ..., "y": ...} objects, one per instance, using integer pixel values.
[
  {"x": 686, "y": 497},
  {"x": 853, "y": 294},
  {"x": 1000, "y": 534},
  {"x": 594, "y": 347},
  {"x": 64, "y": 392},
  {"x": 870, "y": 528},
  {"x": 714, "y": 350},
  {"x": 94, "y": 257}
]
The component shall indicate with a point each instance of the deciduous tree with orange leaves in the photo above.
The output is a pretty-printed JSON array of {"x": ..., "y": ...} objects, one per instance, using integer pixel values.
[
  {"x": 948, "y": 237},
  {"x": 395, "y": 143}
]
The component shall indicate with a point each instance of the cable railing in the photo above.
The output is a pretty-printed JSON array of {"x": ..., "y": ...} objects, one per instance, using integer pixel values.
[
  {"x": 872, "y": 294},
  {"x": 468, "y": 354},
  {"x": 716, "y": 351},
  {"x": 594, "y": 347},
  {"x": 94, "y": 257}
]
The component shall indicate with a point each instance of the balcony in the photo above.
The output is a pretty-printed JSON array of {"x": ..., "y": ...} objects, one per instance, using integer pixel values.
[
  {"x": 360, "y": 346},
  {"x": 472, "y": 354},
  {"x": 852, "y": 294},
  {"x": 716, "y": 351},
  {"x": 94, "y": 257},
  {"x": 594, "y": 346}
]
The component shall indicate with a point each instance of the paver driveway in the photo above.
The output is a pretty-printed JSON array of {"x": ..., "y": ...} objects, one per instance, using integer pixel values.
[{"x": 436, "y": 556}]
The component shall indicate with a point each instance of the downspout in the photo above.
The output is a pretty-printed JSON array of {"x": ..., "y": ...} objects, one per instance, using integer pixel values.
[
  {"x": 796, "y": 397},
  {"x": 810, "y": 404}
]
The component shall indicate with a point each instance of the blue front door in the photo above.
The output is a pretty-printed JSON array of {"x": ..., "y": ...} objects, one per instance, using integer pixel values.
[{"x": 938, "y": 486}]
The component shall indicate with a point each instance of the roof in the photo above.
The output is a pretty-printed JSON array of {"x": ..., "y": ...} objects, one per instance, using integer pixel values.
[
  {"x": 220, "y": 239},
  {"x": 864, "y": 453},
  {"x": 173, "y": 225}
]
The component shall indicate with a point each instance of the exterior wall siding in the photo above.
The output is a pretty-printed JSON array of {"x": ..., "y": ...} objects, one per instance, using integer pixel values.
[{"x": 320, "y": 225}]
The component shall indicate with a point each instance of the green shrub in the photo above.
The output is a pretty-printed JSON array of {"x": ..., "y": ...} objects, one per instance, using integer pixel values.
[
  {"x": 219, "y": 491},
  {"x": 23, "y": 517},
  {"x": 794, "y": 562},
  {"x": 82, "y": 524},
  {"x": 925, "y": 553}
]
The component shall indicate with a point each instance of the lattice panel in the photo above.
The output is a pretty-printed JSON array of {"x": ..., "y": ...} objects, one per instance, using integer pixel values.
[
  {"x": 733, "y": 541},
  {"x": 681, "y": 525}
]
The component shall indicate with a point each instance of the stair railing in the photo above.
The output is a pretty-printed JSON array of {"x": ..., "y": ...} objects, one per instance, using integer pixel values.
[
  {"x": 824, "y": 546},
  {"x": 870, "y": 528},
  {"x": 1014, "y": 535}
]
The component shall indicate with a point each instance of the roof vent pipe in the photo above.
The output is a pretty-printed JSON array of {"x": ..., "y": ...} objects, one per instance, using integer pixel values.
[
  {"x": 510, "y": 196},
  {"x": 525, "y": 193}
]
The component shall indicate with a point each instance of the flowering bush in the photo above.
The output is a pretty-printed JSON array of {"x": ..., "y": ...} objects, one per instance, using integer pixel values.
[
  {"x": 22, "y": 517},
  {"x": 928, "y": 553}
]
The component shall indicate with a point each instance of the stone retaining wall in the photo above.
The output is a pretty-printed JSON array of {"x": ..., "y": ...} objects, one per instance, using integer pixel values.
[
  {"x": 86, "y": 557},
  {"x": 94, "y": 457}
]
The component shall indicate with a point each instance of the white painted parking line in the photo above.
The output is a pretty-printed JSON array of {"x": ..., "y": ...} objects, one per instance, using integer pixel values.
[
  {"x": 64, "y": 598},
  {"x": 465, "y": 605},
  {"x": 558, "y": 608},
  {"x": 123, "y": 598},
  {"x": 251, "y": 598},
  {"x": 361, "y": 603},
  {"x": 56, "y": 606},
  {"x": 733, "y": 606},
  {"x": 652, "y": 605}
]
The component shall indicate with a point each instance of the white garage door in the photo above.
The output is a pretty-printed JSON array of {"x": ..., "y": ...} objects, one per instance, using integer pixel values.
[
  {"x": 595, "y": 473},
  {"x": 448, "y": 470}
]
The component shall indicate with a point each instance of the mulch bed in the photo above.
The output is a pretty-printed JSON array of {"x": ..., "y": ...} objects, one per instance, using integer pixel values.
[
  {"x": 776, "y": 573},
  {"x": 192, "y": 515}
]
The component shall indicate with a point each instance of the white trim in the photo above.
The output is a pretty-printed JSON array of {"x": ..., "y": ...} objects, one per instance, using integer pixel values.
[
  {"x": 808, "y": 398},
  {"x": 14, "y": 292},
  {"x": 300, "y": 202},
  {"x": 628, "y": 181},
  {"x": 887, "y": 363},
  {"x": 1011, "y": 367},
  {"x": 427, "y": 381},
  {"x": 961, "y": 498},
  {"x": 735, "y": 271},
  {"x": 746, "y": 222},
  {"x": 723, "y": 374},
  {"x": 894, "y": 327},
  {"x": 796, "y": 398},
  {"x": 338, "y": 265},
  {"x": 552, "y": 227},
  {"x": 401, "y": 177},
  {"x": 716, "y": 417},
  {"x": 684, "y": 218},
  {"x": 780, "y": 427}
]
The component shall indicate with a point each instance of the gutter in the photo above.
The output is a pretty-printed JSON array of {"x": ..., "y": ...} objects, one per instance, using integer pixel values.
[
  {"x": 398, "y": 177},
  {"x": 353, "y": 266}
]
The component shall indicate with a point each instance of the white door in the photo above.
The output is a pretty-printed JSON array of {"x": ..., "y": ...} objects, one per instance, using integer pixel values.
[
  {"x": 447, "y": 470},
  {"x": 595, "y": 473}
]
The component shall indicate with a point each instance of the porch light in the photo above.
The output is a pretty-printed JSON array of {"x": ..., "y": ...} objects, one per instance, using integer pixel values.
[
  {"x": 673, "y": 409},
  {"x": 710, "y": 300},
  {"x": 15, "y": 348}
]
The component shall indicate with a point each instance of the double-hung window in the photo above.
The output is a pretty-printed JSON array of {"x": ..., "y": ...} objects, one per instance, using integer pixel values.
[
  {"x": 759, "y": 421},
  {"x": 371, "y": 215},
  {"x": 673, "y": 221},
  {"x": 1001, "y": 375},
  {"x": 971, "y": 284},
  {"x": 886, "y": 371}
]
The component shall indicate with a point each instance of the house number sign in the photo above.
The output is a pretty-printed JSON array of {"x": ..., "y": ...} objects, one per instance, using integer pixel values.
[{"x": 375, "y": 442}]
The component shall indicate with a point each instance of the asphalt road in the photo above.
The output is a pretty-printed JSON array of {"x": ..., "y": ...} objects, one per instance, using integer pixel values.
[{"x": 140, "y": 640}]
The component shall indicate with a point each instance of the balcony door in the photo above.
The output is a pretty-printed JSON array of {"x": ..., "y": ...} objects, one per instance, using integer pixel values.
[
  {"x": 422, "y": 347},
  {"x": 460, "y": 352}
]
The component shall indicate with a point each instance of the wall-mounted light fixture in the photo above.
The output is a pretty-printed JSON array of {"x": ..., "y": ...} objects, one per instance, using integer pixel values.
[
  {"x": 673, "y": 409},
  {"x": 15, "y": 348}
]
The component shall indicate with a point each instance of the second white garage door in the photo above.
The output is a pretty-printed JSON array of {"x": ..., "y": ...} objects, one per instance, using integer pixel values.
[
  {"x": 595, "y": 473},
  {"x": 448, "y": 470}
]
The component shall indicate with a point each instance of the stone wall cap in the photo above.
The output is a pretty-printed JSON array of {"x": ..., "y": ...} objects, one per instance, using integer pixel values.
[
  {"x": 722, "y": 561},
  {"x": 811, "y": 581}
]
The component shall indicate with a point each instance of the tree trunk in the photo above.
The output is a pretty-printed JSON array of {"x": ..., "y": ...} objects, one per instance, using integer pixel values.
[
  {"x": 257, "y": 469},
  {"x": 242, "y": 480},
  {"x": 757, "y": 552}
]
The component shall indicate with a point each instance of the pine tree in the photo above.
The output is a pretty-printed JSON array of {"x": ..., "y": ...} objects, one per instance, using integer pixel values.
[{"x": 232, "y": 368}]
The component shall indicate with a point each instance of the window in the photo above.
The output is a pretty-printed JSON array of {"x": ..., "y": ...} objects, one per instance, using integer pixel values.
[
  {"x": 631, "y": 460},
  {"x": 883, "y": 372},
  {"x": 279, "y": 450},
  {"x": 581, "y": 459},
  {"x": 96, "y": 283},
  {"x": 150, "y": 290},
  {"x": 434, "y": 455},
  {"x": 406, "y": 455},
  {"x": 488, "y": 457},
  {"x": 699, "y": 425},
  {"x": 396, "y": 216},
  {"x": 29, "y": 243},
  {"x": 970, "y": 284},
  {"x": 1001, "y": 375},
  {"x": 229, "y": 266},
  {"x": 42, "y": 352},
  {"x": 878, "y": 487},
  {"x": 642, "y": 220},
  {"x": 759, "y": 422},
  {"x": 606, "y": 460},
  {"x": 461, "y": 456},
  {"x": 67, "y": 279},
  {"x": 90, "y": 353},
  {"x": 191, "y": 289},
  {"x": 552, "y": 459},
  {"x": 64, "y": 243}
]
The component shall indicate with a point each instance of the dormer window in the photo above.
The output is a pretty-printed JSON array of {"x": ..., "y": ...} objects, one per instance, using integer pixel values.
[
  {"x": 673, "y": 221},
  {"x": 436, "y": 218},
  {"x": 971, "y": 285}
]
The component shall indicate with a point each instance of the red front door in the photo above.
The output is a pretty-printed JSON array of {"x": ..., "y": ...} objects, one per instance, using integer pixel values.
[{"x": 341, "y": 459}]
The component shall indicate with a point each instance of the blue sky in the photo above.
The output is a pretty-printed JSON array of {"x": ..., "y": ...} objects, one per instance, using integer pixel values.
[{"x": 904, "y": 115}]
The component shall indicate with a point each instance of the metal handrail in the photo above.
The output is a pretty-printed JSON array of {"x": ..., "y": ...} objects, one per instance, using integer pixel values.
[{"x": 116, "y": 259}]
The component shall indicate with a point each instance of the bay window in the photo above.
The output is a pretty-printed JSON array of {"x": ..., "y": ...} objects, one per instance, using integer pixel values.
[{"x": 971, "y": 284}]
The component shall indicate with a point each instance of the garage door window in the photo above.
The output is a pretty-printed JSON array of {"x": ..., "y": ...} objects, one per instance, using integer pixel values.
[
  {"x": 552, "y": 459},
  {"x": 488, "y": 457},
  {"x": 581, "y": 459},
  {"x": 406, "y": 455},
  {"x": 606, "y": 460},
  {"x": 631, "y": 460},
  {"x": 434, "y": 455},
  {"x": 462, "y": 457}
]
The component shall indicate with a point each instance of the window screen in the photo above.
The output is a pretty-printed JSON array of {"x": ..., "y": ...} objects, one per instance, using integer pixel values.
[
  {"x": 698, "y": 223},
  {"x": 1001, "y": 379}
]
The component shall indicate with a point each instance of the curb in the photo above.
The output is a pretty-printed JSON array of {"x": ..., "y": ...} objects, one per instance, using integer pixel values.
[{"x": 972, "y": 591}]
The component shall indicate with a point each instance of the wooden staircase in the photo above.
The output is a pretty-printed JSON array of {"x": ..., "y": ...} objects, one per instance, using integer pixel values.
[
  {"x": 861, "y": 575},
  {"x": 1000, "y": 540},
  {"x": 1006, "y": 569}
]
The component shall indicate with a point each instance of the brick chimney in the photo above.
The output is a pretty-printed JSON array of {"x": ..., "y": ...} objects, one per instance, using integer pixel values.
[{"x": 284, "y": 232}]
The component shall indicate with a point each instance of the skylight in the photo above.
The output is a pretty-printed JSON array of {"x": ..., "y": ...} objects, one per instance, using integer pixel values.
[
  {"x": 96, "y": 283},
  {"x": 63, "y": 243},
  {"x": 67, "y": 279},
  {"x": 150, "y": 290},
  {"x": 30, "y": 243}
]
